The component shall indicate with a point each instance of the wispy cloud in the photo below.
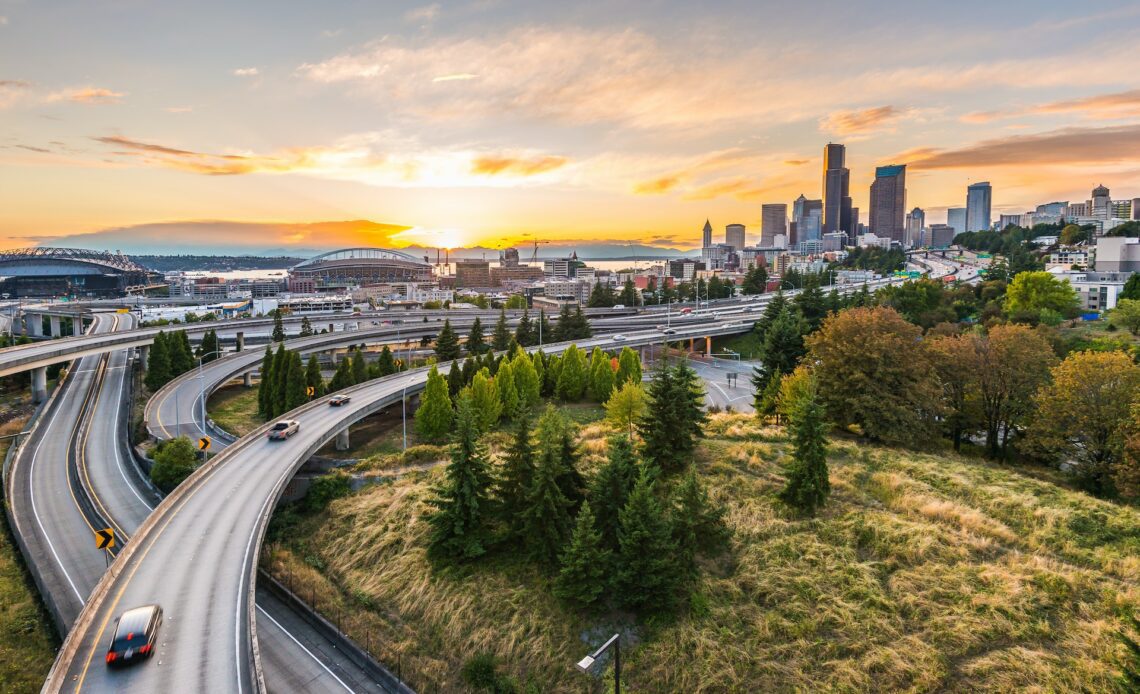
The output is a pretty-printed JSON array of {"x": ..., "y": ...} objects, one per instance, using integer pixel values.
[
  {"x": 861, "y": 122},
  {"x": 657, "y": 186},
  {"x": 178, "y": 109},
  {"x": 1115, "y": 105},
  {"x": 3, "y": 21},
  {"x": 459, "y": 76},
  {"x": 494, "y": 165},
  {"x": 87, "y": 95},
  {"x": 246, "y": 72},
  {"x": 421, "y": 15},
  {"x": 1064, "y": 146},
  {"x": 795, "y": 162}
]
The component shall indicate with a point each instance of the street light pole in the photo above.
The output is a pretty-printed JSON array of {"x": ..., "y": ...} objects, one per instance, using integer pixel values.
[
  {"x": 202, "y": 387},
  {"x": 586, "y": 663}
]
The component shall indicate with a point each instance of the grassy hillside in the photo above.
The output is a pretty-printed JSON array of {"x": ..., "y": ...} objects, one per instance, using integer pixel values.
[{"x": 923, "y": 573}]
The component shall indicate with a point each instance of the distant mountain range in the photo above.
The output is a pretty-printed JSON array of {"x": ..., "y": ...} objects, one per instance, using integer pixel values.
[{"x": 220, "y": 237}]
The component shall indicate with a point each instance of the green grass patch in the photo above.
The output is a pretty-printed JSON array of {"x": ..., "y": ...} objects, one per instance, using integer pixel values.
[{"x": 234, "y": 408}]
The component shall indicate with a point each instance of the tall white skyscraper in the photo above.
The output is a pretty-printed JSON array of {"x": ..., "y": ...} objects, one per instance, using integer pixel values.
[{"x": 979, "y": 199}]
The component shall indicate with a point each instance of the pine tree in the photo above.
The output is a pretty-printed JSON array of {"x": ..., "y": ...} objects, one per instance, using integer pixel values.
[
  {"x": 600, "y": 296},
  {"x": 508, "y": 391},
  {"x": 359, "y": 367},
  {"x": 524, "y": 331},
  {"x": 434, "y": 415},
  {"x": 776, "y": 305},
  {"x": 601, "y": 376},
  {"x": 459, "y": 524},
  {"x": 811, "y": 304},
  {"x": 610, "y": 488},
  {"x": 673, "y": 420},
  {"x": 582, "y": 578},
  {"x": 181, "y": 355},
  {"x": 538, "y": 359},
  {"x": 455, "y": 380},
  {"x": 647, "y": 574},
  {"x": 783, "y": 344},
  {"x": 629, "y": 368},
  {"x": 629, "y": 296},
  {"x": 526, "y": 380},
  {"x": 517, "y": 476},
  {"x": 342, "y": 378},
  {"x": 485, "y": 399},
  {"x": 808, "y": 486},
  {"x": 265, "y": 385},
  {"x": 501, "y": 337},
  {"x": 313, "y": 377},
  {"x": 278, "y": 326},
  {"x": 469, "y": 370},
  {"x": 447, "y": 344},
  {"x": 697, "y": 524},
  {"x": 564, "y": 326},
  {"x": 385, "y": 365},
  {"x": 581, "y": 326},
  {"x": 546, "y": 332},
  {"x": 767, "y": 396},
  {"x": 280, "y": 379},
  {"x": 295, "y": 394},
  {"x": 475, "y": 343},
  {"x": 158, "y": 363},
  {"x": 546, "y": 519},
  {"x": 306, "y": 327},
  {"x": 573, "y": 377}
]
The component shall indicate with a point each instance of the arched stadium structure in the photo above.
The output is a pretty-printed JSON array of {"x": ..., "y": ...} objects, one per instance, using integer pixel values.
[
  {"x": 76, "y": 272},
  {"x": 360, "y": 267}
]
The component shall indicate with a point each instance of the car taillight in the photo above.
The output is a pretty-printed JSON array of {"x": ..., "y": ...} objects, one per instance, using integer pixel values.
[
  {"x": 145, "y": 649},
  {"x": 112, "y": 656}
]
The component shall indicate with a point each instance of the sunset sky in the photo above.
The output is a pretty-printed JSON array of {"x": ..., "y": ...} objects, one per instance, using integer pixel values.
[{"x": 479, "y": 122}]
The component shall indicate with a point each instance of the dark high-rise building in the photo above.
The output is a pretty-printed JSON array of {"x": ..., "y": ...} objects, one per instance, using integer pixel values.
[
  {"x": 888, "y": 203},
  {"x": 836, "y": 191},
  {"x": 979, "y": 197},
  {"x": 773, "y": 221},
  {"x": 734, "y": 236}
]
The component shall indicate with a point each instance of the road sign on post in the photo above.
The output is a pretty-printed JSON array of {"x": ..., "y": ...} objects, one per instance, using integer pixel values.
[
  {"x": 310, "y": 391},
  {"x": 204, "y": 443},
  {"x": 105, "y": 538}
]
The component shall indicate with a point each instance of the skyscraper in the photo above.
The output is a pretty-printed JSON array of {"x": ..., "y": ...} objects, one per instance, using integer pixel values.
[
  {"x": 888, "y": 200},
  {"x": 956, "y": 218},
  {"x": 773, "y": 220},
  {"x": 706, "y": 239},
  {"x": 734, "y": 236},
  {"x": 836, "y": 191},
  {"x": 979, "y": 197},
  {"x": 915, "y": 222},
  {"x": 1100, "y": 202}
]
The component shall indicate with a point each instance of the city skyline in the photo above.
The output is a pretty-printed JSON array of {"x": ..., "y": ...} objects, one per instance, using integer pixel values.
[{"x": 590, "y": 123}]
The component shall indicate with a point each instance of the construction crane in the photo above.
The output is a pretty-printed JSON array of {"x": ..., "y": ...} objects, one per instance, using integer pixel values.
[{"x": 534, "y": 254}]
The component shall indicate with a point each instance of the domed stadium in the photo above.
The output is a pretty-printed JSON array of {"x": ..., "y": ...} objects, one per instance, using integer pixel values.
[
  {"x": 360, "y": 267},
  {"x": 72, "y": 272}
]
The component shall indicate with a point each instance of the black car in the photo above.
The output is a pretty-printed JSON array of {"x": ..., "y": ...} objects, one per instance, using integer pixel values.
[
  {"x": 338, "y": 400},
  {"x": 136, "y": 635}
]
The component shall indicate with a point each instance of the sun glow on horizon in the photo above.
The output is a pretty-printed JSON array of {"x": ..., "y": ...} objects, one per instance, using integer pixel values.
[{"x": 434, "y": 238}]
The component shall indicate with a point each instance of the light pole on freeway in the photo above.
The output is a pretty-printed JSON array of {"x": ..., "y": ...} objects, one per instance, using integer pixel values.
[{"x": 202, "y": 387}]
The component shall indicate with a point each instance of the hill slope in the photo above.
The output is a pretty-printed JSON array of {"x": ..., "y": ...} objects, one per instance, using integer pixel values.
[{"x": 923, "y": 573}]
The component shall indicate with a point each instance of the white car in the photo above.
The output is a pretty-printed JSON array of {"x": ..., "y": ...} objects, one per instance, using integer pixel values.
[
  {"x": 284, "y": 429},
  {"x": 618, "y": 307},
  {"x": 619, "y": 338}
]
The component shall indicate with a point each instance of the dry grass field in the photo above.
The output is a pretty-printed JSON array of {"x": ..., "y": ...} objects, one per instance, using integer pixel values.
[{"x": 923, "y": 573}]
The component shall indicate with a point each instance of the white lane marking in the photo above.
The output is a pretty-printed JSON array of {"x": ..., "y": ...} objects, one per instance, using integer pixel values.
[
  {"x": 241, "y": 581},
  {"x": 119, "y": 453},
  {"x": 302, "y": 646}
]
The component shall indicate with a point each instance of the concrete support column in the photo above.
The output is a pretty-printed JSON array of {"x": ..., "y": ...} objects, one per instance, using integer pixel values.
[
  {"x": 691, "y": 344},
  {"x": 342, "y": 439},
  {"x": 240, "y": 341},
  {"x": 708, "y": 346},
  {"x": 35, "y": 323},
  {"x": 39, "y": 384},
  {"x": 144, "y": 355},
  {"x": 331, "y": 329},
  {"x": 53, "y": 322},
  {"x": 247, "y": 379}
]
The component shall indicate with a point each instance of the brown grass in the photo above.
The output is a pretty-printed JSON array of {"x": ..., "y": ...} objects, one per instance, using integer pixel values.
[{"x": 923, "y": 573}]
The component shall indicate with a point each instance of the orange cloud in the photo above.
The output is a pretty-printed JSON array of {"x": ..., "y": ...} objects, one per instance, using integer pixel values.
[
  {"x": 657, "y": 186},
  {"x": 859, "y": 122},
  {"x": 1115, "y": 105},
  {"x": 740, "y": 188},
  {"x": 493, "y": 165},
  {"x": 795, "y": 162},
  {"x": 1065, "y": 146},
  {"x": 88, "y": 95}
]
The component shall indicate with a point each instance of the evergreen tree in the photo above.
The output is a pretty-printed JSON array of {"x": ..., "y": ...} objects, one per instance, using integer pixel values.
[
  {"x": 342, "y": 377},
  {"x": 564, "y": 326},
  {"x": 697, "y": 524},
  {"x": 455, "y": 380},
  {"x": 582, "y": 578},
  {"x": 538, "y": 359},
  {"x": 485, "y": 399},
  {"x": 610, "y": 488},
  {"x": 647, "y": 574},
  {"x": 573, "y": 377},
  {"x": 629, "y": 294},
  {"x": 581, "y": 326},
  {"x": 158, "y": 363},
  {"x": 447, "y": 344},
  {"x": 385, "y": 365},
  {"x": 434, "y": 415},
  {"x": 808, "y": 486},
  {"x": 508, "y": 391},
  {"x": 629, "y": 368},
  {"x": 313, "y": 377},
  {"x": 517, "y": 476},
  {"x": 601, "y": 376},
  {"x": 776, "y": 305},
  {"x": 475, "y": 343},
  {"x": 295, "y": 394},
  {"x": 783, "y": 344},
  {"x": 546, "y": 519},
  {"x": 359, "y": 367},
  {"x": 278, "y": 326},
  {"x": 459, "y": 523},
  {"x": 265, "y": 385},
  {"x": 767, "y": 396},
  {"x": 673, "y": 420},
  {"x": 181, "y": 355},
  {"x": 546, "y": 333},
  {"x": 600, "y": 296},
  {"x": 306, "y": 327},
  {"x": 469, "y": 370},
  {"x": 811, "y": 304},
  {"x": 571, "y": 481},
  {"x": 280, "y": 379},
  {"x": 526, "y": 380},
  {"x": 501, "y": 337},
  {"x": 524, "y": 331}
]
